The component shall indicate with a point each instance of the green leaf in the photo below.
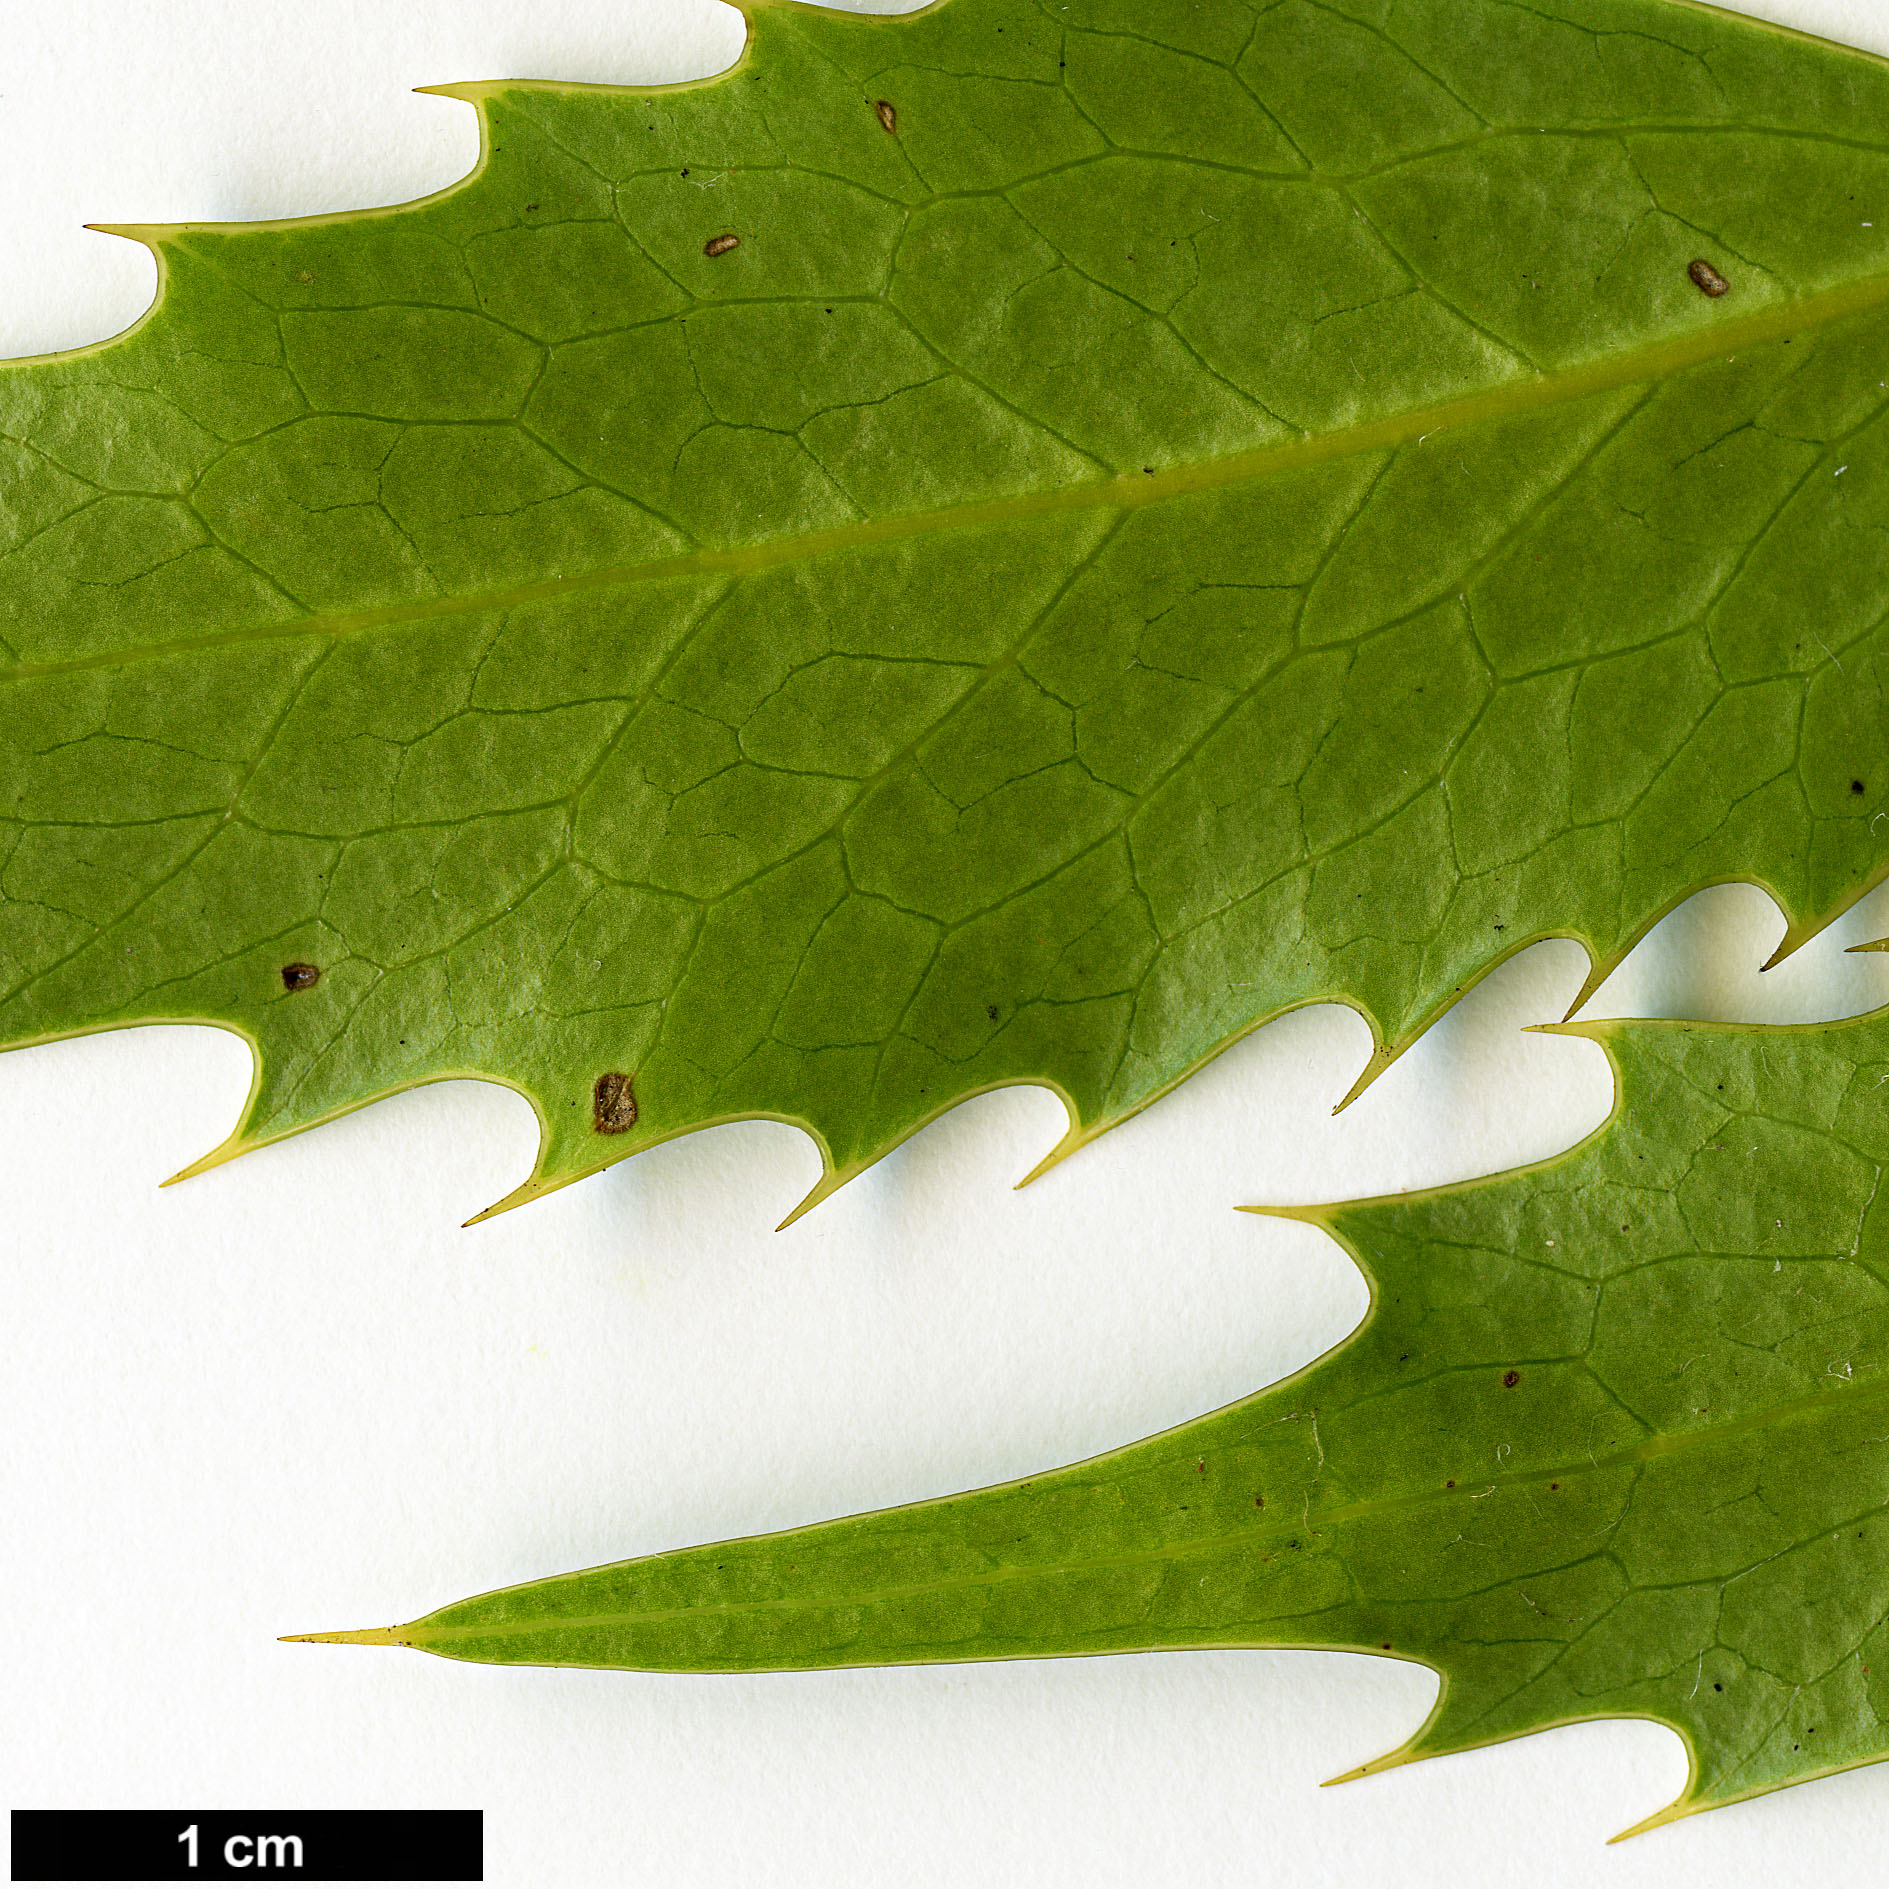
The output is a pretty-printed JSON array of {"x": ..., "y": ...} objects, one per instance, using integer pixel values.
[
  {"x": 1609, "y": 1442},
  {"x": 1010, "y": 544}
]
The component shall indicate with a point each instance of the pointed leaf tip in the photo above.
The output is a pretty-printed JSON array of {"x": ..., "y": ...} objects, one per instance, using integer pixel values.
[
  {"x": 1076, "y": 1137},
  {"x": 224, "y": 1152},
  {"x": 1796, "y": 936},
  {"x": 1317, "y": 1215},
  {"x": 149, "y": 234},
  {"x": 360, "y": 1636},
  {"x": 1391, "y": 1761},
  {"x": 829, "y": 1183},
  {"x": 1264, "y": 1497},
  {"x": 1593, "y": 1029},
  {"x": 1380, "y": 1060},
  {"x": 1671, "y": 1814}
]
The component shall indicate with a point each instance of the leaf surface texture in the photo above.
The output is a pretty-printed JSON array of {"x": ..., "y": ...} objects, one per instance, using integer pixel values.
[{"x": 1162, "y": 513}]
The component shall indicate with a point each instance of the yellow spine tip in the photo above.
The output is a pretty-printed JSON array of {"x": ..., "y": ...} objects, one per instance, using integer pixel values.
[
  {"x": 1391, "y": 1761},
  {"x": 1671, "y": 1814},
  {"x": 1076, "y": 1138},
  {"x": 1593, "y": 1028},
  {"x": 1794, "y": 939},
  {"x": 525, "y": 1191},
  {"x": 222, "y": 1153},
  {"x": 828, "y": 1184},
  {"x": 361, "y": 1636},
  {"x": 1381, "y": 1059},
  {"x": 1317, "y": 1216}
]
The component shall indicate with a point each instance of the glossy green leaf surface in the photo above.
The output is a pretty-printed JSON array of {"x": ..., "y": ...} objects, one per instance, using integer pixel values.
[
  {"x": 1007, "y": 544},
  {"x": 1610, "y": 1441}
]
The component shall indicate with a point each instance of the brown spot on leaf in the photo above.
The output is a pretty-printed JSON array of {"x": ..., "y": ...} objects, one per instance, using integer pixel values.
[
  {"x": 1706, "y": 278},
  {"x": 1857, "y": 787},
  {"x": 722, "y": 244},
  {"x": 887, "y": 116},
  {"x": 613, "y": 1103},
  {"x": 1510, "y": 1379},
  {"x": 300, "y": 976}
]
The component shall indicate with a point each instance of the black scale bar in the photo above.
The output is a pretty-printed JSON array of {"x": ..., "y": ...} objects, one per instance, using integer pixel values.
[{"x": 311, "y": 1846}]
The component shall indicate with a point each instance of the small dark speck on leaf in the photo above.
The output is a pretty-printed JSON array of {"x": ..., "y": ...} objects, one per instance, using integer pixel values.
[
  {"x": 721, "y": 245},
  {"x": 1554, "y": 1485},
  {"x": 1451, "y": 1484},
  {"x": 300, "y": 976},
  {"x": 613, "y": 1103},
  {"x": 530, "y": 207},
  {"x": 1510, "y": 1379},
  {"x": 1259, "y": 1501},
  {"x": 1716, "y": 1687},
  {"x": 1386, "y": 1645},
  {"x": 990, "y": 1010},
  {"x": 1706, "y": 279},
  {"x": 1857, "y": 787},
  {"x": 887, "y": 115}
]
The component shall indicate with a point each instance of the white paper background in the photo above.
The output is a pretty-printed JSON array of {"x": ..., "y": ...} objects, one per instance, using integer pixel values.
[{"x": 293, "y": 1394}]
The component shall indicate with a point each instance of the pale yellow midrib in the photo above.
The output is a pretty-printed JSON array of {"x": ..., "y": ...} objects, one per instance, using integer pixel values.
[{"x": 1721, "y": 341}]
